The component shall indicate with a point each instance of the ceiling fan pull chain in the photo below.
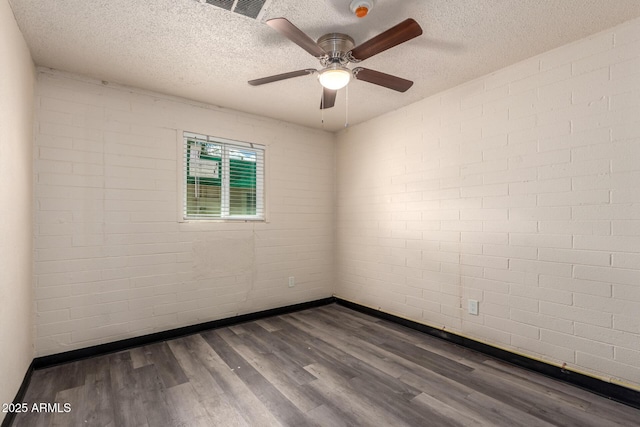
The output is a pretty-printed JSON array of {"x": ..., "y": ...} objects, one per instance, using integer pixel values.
[
  {"x": 322, "y": 105},
  {"x": 346, "y": 113}
]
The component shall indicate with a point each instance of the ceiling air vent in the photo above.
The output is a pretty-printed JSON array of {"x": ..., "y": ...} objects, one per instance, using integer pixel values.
[
  {"x": 249, "y": 8},
  {"x": 225, "y": 4}
]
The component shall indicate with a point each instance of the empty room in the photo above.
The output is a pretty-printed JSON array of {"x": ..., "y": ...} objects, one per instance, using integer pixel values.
[{"x": 323, "y": 213}]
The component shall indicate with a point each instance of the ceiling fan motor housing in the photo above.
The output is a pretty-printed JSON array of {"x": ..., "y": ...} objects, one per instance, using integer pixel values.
[{"x": 336, "y": 45}]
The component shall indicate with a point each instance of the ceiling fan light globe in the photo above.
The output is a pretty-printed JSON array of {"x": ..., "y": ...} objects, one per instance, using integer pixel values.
[{"x": 334, "y": 78}]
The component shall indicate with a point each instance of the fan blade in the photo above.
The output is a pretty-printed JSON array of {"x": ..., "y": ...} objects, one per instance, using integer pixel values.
[
  {"x": 293, "y": 33},
  {"x": 328, "y": 98},
  {"x": 404, "y": 31},
  {"x": 283, "y": 76},
  {"x": 382, "y": 79}
]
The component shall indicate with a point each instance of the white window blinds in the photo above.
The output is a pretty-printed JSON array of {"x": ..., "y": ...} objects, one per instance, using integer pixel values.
[{"x": 223, "y": 179}]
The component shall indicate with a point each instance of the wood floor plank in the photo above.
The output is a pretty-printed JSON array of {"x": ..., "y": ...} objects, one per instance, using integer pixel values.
[
  {"x": 326, "y": 336},
  {"x": 280, "y": 343},
  {"x": 207, "y": 391},
  {"x": 139, "y": 357},
  {"x": 385, "y": 397},
  {"x": 97, "y": 407},
  {"x": 385, "y": 391},
  {"x": 422, "y": 357},
  {"x": 518, "y": 396},
  {"x": 44, "y": 390},
  {"x": 371, "y": 354},
  {"x": 387, "y": 330},
  {"x": 465, "y": 400},
  {"x": 152, "y": 394},
  {"x": 462, "y": 418},
  {"x": 160, "y": 356},
  {"x": 566, "y": 409},
  {"x": 194, "y": 370},
  {"x": 341, "y": 393},
  {"x": 129, "y": 408},
  {"x": 237, "y": 329},
  {"x": 575, "y": 396},
  {"x": 77, "y": 417},
  {"x": 268, "y": 324},
  {"x": 68, "y": 376},
  {"x": 237, "y": 393},
  {"x": 322, "y": 366},
  {"x": 278, "y": 404},
  {"x": 293, "y": 357},
  {"x": 275, "y": 371},
  {"x": 356, "y": 358},
  {"x": 504, "y": 414},
  {"x": 527, "y": 399},
  {"x": 184, "y": 407},
  {"x": 330, "y": 416}
]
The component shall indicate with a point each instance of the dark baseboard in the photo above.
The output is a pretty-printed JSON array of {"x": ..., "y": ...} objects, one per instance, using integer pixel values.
[
  {"x": 112, "y": 347},
  {"x": 609, "y": 390},
  {"x": 9, "y": 417}
]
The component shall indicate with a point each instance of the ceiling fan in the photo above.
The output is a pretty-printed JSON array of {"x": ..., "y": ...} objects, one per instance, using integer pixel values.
[{"x": 336, "y": 50}]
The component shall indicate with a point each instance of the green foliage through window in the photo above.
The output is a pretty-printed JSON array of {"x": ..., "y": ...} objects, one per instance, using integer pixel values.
[{"x": 223, "y": 179}]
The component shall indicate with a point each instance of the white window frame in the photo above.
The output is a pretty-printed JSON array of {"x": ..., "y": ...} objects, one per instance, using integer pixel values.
[{"x": 227, "y": 145}]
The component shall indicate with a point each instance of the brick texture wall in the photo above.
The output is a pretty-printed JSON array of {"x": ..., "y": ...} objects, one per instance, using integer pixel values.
[
  {"x": 521, "y": 190},
  {"x": 113, "y": 259}
]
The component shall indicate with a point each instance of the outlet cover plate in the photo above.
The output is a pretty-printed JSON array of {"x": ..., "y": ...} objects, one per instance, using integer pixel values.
[{"x": 472, "y": 307}]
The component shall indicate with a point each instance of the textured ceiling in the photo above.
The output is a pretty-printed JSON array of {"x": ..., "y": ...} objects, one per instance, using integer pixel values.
[{"x": 205, "y": 53}]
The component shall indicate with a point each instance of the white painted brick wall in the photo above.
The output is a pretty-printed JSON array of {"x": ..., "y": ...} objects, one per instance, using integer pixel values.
[
  {"x": 112, "y": 260},
  {"x": 527, "y": 179}
]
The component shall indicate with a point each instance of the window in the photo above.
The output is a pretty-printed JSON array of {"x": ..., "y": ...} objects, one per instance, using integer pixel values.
[{"x": 223, "y": 179}]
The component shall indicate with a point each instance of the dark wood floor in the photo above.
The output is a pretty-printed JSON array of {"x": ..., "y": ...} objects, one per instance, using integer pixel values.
[{"x": 326, "y": 366}]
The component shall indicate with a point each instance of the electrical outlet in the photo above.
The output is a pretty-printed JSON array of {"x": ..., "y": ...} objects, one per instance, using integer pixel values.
[
  {"x": 292, "y": 281},
  {"x": 472, "y": 307}
]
